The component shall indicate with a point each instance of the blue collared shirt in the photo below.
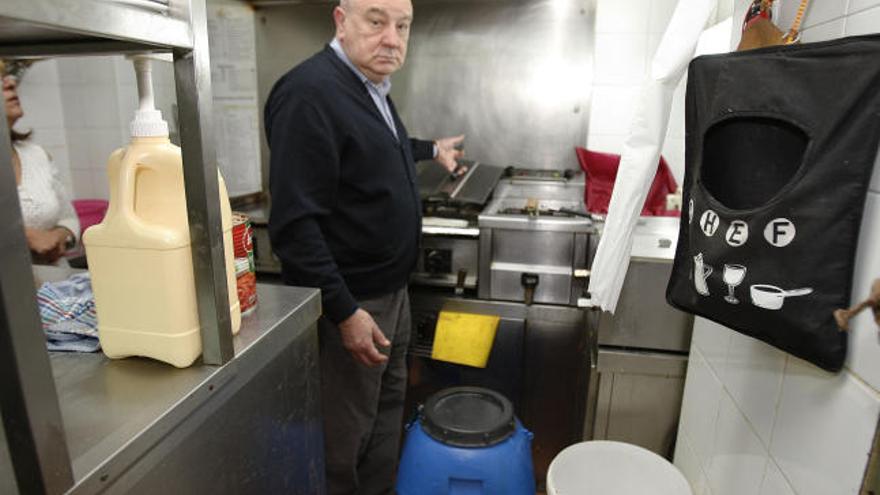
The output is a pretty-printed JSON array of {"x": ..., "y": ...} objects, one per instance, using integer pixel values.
[{"x": 378, "y": 92}]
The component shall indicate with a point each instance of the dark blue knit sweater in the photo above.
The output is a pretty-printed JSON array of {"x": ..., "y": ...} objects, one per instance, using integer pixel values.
[{"x": 345, "y": 212}]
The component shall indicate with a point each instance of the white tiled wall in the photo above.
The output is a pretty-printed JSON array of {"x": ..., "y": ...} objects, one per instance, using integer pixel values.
[
  {"x": 79, "y": 109},
  {"x": 756, "y": 421},
  {"x": 43, "y": 112},
  {"x": 627, "y": 35}
]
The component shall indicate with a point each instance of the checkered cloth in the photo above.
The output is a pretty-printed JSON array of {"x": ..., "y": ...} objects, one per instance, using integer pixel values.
[{"x": 67, "y": 309}]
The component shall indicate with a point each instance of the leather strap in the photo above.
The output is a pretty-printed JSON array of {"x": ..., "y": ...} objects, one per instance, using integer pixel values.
[{"x": 794, "y": 35}]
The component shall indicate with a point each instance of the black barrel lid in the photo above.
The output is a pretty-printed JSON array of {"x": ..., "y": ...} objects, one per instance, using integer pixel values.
[{"x": 468, "y": 417}]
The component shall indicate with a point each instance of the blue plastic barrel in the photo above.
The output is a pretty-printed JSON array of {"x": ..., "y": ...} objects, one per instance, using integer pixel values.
[{"x": 466, "y": 441}]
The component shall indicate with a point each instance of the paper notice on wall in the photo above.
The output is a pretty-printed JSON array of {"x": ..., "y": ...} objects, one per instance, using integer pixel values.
[
  {"x": 233, "y": 52},
  {"x": 234, "y": 84},
  {"x": 238, "y": 147}
]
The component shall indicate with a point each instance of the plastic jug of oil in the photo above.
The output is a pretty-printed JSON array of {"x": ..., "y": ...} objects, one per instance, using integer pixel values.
[{"x": 140, "y": 257}]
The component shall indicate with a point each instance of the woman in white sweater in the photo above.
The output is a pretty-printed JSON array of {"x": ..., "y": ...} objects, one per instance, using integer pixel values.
[{"x": 51, "y": 224}]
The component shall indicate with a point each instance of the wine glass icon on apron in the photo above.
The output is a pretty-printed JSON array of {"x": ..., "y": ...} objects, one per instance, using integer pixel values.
[
  {"x": 701, "y": 273},
  {"x": 733, "y": 275}
]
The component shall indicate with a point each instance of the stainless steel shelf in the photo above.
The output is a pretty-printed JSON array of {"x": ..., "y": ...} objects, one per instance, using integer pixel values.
[
  {"x": 115, "y": 411},
  {"x": 36, "y": 452},
  {"x": 64, "y": 27}
]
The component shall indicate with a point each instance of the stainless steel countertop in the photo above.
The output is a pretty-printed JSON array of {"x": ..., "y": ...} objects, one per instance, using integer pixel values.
[
  {"x": 116, "y": 410},
  {"x": 258, "y": 213},
  {"x": 655, "y": 239}
]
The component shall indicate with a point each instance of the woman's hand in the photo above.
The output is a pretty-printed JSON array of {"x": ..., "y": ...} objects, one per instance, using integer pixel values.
[{"x": 47, "y": 245}]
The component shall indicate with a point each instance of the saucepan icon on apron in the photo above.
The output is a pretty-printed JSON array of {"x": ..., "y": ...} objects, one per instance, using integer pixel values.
[{"x": 771, "y": 297}]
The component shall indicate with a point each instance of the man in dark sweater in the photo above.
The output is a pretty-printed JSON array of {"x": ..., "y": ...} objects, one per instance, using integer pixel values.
[{"x": 346, "y": 218}]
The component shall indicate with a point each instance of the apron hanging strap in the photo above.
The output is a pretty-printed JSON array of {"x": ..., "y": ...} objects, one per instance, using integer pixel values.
[{"x": 794, "y": 34}]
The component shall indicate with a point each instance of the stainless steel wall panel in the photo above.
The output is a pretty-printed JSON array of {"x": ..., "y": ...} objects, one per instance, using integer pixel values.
[
  {"x": 285, "y": 36},
  {"x": 515, "y": 77}
]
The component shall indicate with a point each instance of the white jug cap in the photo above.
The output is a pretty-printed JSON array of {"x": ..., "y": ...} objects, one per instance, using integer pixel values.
[{"x": 148, "y": 123}]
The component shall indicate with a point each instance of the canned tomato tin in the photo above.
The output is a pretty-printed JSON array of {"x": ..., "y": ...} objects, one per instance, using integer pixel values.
[
  {"x": 246, "y": 279},
  {"x": 247, "y": 291},
  {"x": 242, "y": 236}
]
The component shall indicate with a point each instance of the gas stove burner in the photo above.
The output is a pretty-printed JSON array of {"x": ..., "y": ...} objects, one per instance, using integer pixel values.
[
  {"x": 444, "y": 209},
  {"x": 539, "y": 174},
  {"x": 537, "y": 208},
  {"x": 541, "y": 212}
]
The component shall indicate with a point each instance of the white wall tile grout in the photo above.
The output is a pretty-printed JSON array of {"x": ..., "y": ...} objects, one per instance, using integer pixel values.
[
  {"x": 766, "y": 446},
  {"x": 772, "y": 459},
  {"x": 776, "y": 407},
  {"x": 860, "y": 10},
  {"x": 776, "y": 420},
  {"x": 766, "y": 467},
  {"x": 784, "y": 16},
  {"x": 724, "y": 361},
  {"x": 823, "y": 24},
  {"x": 861, "y": 382},
  {"x": 745, "y": 416},
  {"x": 706, "y": 488},
  {"x": 714, "y": 376}
]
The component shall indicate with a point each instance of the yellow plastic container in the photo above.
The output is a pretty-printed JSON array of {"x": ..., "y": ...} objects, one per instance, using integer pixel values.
[
  {"x": 140, "y": 259},
  {"x": 464, "y": 338}
]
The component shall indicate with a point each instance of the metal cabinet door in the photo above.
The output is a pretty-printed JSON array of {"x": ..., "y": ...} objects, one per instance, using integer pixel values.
[{"x": 639, "y": 398}]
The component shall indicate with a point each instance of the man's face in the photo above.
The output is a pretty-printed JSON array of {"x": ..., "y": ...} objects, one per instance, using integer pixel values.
[{"x": 374, "y": 34}]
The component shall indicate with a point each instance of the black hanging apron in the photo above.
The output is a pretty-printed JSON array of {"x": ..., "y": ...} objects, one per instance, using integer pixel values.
[{"x": 780, "y": 146}]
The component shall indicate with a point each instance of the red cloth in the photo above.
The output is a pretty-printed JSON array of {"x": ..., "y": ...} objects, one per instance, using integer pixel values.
[
  {"x": 89, "y": 211},
  {"x": 601, "y": 169}
]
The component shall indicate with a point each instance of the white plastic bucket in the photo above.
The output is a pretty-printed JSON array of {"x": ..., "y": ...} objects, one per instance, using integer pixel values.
[{"x": 613, "y": 468}]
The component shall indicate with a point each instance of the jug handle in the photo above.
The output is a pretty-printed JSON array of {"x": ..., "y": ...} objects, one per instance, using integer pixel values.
[
  {"x": 126, "y": 196},
  {"x": 128, "y": 178}
]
